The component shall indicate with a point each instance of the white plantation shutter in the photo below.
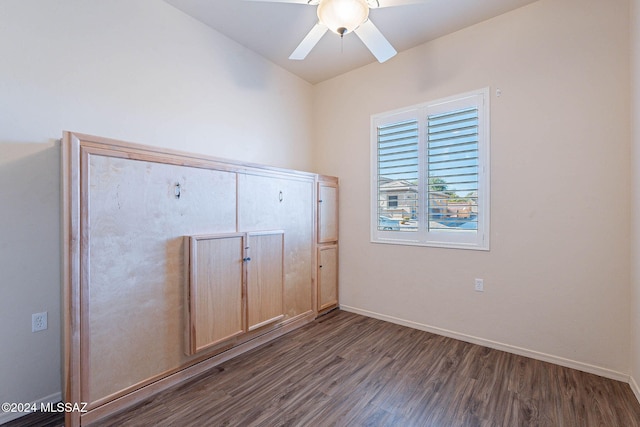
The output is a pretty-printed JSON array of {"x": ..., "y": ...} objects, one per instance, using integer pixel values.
[
  {"x": 398, "y": 174},
  {"x": 431, "y": 174},
  {"x": 452, "y": 191}
]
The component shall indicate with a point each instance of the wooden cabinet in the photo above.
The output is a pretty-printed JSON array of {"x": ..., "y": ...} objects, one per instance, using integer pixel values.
[
  {"x": 327, "y": 243},
  {"x": 135, "y": 287},
  {"x": 235, "y": 286}
]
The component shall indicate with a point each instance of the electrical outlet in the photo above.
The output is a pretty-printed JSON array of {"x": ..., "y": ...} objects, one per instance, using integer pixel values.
[
  {"x": 38, "y": 322},
  {"x": 479, "y": 285}
]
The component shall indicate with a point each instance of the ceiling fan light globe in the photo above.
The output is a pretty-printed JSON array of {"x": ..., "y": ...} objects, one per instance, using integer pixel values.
[{"x": 343, "y": 16}]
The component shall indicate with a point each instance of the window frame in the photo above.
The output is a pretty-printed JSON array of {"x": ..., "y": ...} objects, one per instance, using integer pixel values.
[{"x": 455, "y": 239}]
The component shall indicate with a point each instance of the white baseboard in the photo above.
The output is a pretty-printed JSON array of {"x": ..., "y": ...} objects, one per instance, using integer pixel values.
[
  {"x": 634, "y": 387},
  {"x": 585, "y": 367},
  {"x": 5, "y": 417}
]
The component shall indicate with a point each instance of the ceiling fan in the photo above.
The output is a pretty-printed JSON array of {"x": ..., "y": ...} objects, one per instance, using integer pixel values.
[{"x": 343, "y": 17}]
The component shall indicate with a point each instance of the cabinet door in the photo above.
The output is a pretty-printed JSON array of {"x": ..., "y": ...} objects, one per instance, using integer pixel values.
[
  {"x": 265, "y": 278},
  {"x": 327, "y": 212},
  {"x": 215, "y": 290},
  {"x": 327, "y": 277}
]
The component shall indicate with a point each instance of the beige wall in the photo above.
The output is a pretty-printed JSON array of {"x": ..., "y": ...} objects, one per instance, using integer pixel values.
[
  {"x": 557, "y": 276},
  {"x": 134, "y": 70},
  {"x": 635, "y": 200}
]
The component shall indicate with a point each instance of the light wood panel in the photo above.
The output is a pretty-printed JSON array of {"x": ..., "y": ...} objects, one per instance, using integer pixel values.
[
  {"x": 327, "y": 248},
  {"x": 216, "y": 289},
  {"x": 327, "y": 277},
  {"x": 71, "y": 302},
  {"x": 272, "y": 202},
  {"x": 265, "y": 278},
  {"x": 133, "y": 299},
  {"x": 327, "y": 210}
]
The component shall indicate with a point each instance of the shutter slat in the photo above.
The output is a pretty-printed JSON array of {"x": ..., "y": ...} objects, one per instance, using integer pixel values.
[
  {"x": 432, "y": 173},
  {"x": 385, "y": 154},
  {"x": 455, "y": 145},
  {"x": 437, "y": 134},
  {"x": 398, "y": 170},
  {"x": 452, "y": 161}
]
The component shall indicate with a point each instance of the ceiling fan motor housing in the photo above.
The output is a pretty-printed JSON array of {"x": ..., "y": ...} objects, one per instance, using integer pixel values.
[{"x": 343, "y": 16}]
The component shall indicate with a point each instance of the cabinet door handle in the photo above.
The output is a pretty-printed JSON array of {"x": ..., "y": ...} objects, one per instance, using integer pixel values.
[
  {"x": 320, "y": 266},
  {"x": 281, "y": 196},
  {"x": 247, "y": 259}
]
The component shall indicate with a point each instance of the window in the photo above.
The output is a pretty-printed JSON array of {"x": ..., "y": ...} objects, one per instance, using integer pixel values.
[{"x": 430, "y": 167}]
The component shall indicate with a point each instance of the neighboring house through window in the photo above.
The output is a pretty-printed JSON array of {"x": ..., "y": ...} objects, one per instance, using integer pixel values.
[{"x": 430, "y": 167}]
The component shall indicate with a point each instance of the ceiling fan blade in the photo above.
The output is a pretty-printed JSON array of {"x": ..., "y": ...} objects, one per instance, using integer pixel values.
[
  {"x": 375, "y": 41},
  {"x": 309, "y": 42},
  {"x": 391, "y": 3}
]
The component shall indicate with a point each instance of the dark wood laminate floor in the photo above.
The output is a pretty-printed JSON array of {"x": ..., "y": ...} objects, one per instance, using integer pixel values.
[
  {"x": 349, "y": 370},
  {"x": 37, "y": 419}
]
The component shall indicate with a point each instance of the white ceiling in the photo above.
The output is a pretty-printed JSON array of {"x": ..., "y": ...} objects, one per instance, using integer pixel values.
[{"x": 274, "y": 30}]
